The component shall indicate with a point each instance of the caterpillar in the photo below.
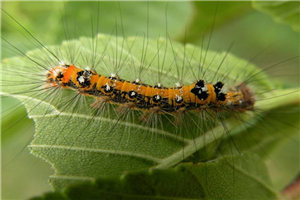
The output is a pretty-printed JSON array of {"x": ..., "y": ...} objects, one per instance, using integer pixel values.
[
  {"x": 127, "y": 96},
  {"x": 154, "y": 99}
]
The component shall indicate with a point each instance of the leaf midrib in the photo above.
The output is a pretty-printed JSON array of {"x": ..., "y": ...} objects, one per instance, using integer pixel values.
[
  {"x": 76, "y": 148},
  {"x": 192, "y": 145}
]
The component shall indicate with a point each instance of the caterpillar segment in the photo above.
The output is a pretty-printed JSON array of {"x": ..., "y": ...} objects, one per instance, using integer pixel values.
[{"x": 151, "y": 99}]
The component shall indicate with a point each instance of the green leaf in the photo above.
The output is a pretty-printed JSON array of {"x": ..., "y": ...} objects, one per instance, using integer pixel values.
[
  {"x": 286, "y": 12},
  {"x": 275, "y": 137},
  {"x": 51, "y": 196},
  {"x": 83, "y": 143},
  {"x": 245, "y": 177},
  {"x": 284, "y": 161},
  {"x": 139, "y": 146},
  {"x": 48, "y": 17},
  {"x": 205, "y": 16}
]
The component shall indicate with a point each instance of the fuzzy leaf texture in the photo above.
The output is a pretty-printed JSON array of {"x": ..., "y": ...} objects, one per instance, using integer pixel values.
[{"x": 83, "y": 143}]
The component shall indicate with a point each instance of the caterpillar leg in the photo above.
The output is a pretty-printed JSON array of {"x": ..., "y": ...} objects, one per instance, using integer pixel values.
[
  {"x": 178, "y": 116},
  {"x": 100, "y": 102},
  {"x": 147, "y": 114},
  {"x": 125, "y": 107}
]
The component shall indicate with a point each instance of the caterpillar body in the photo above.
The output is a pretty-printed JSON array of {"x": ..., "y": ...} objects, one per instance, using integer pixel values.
[{"x": 156, "y": 99}]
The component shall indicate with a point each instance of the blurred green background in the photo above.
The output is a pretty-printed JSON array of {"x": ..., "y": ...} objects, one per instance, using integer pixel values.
[{"x": 23, "y": 175}]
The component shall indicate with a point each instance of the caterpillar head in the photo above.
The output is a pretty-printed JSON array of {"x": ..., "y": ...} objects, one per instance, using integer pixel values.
[{"x": 60, "y": 75}]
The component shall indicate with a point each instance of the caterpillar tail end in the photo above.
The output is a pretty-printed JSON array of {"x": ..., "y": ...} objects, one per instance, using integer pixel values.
[{"x": 248, "y": 101}]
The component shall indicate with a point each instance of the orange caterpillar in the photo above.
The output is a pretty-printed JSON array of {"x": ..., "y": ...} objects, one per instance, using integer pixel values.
[{"x": 153, "y": 99}]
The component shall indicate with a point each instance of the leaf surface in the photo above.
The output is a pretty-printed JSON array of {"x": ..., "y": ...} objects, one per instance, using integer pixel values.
[
  {"x": 83, "y": 143},
  {"x": 201, "y": 181},
  {"x": 286, "y": 12}
]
